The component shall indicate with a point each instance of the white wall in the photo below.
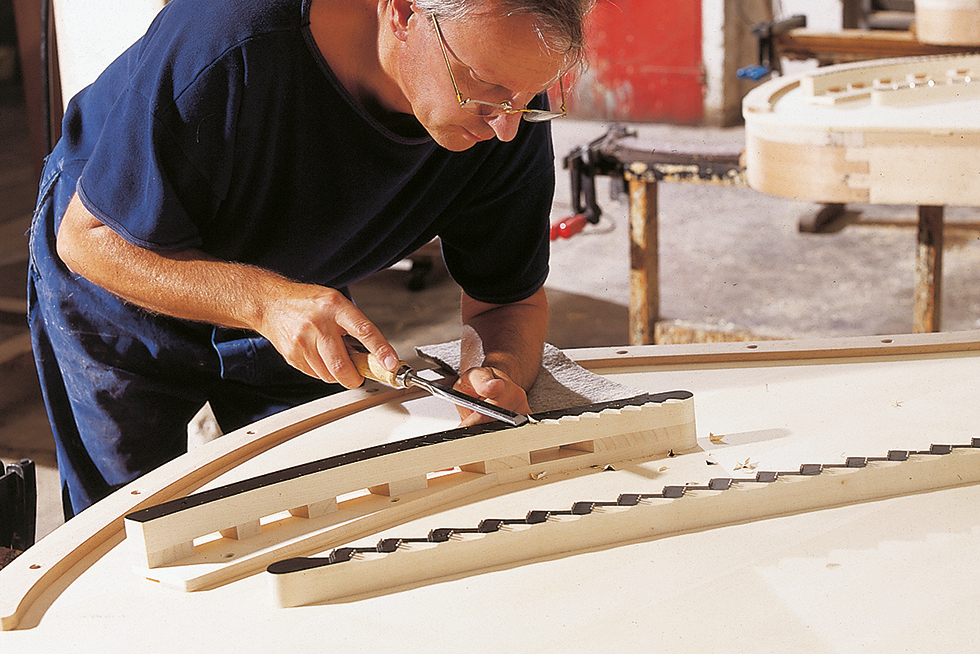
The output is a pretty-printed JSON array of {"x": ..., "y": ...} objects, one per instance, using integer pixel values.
[
  {"x": 91, "y": 34},
  {"x": 821, "y": 15},
  {"x": 728, "y": 44}
]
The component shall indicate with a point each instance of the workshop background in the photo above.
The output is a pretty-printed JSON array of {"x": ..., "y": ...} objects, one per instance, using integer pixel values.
[{"x": 733, "y": 261}]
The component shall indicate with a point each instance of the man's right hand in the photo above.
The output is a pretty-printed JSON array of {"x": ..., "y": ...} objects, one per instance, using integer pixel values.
[{"x": 307, "y": 328}]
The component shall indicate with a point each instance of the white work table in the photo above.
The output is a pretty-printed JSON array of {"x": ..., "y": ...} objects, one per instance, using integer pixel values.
[{"x": 893, "y": 575}]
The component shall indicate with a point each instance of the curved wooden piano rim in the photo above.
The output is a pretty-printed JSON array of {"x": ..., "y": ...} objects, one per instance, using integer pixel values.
[{"x": 894, "y": 131}]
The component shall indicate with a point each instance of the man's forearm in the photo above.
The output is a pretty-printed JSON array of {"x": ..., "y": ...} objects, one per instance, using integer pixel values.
[
  {"x": 507, "y": 337},
  {"x": 188, "y": 284},
  {"x": 304, "y": 322}
]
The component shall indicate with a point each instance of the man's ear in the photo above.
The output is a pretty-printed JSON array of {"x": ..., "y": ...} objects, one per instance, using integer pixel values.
[{"x": 399, "y": 11}]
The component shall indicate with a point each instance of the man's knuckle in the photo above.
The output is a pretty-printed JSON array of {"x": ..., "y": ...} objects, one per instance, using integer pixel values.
[{"x": 362, "y": 328}]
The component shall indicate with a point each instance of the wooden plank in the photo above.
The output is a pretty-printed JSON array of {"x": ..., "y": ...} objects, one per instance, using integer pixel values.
[
  {"x": 31, "y": 582},
  {"x": 218, "y": 562},
  {"x": 789, "y": 352},
  {"x": 676, "y": 510},
  {"x": 928, "y": 297},
  {"x": 857, "y": 45}
]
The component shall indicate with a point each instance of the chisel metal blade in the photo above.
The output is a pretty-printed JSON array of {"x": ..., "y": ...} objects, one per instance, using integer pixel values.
[
  {"x": 369, "y": 366},
  {"x": 464, "y": 400}
]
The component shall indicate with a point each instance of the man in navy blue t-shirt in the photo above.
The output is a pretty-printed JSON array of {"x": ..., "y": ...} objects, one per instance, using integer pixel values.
[{"x": 223, "y": 181}]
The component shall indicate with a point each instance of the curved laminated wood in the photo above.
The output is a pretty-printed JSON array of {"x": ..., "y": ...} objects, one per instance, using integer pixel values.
[
  {"x": 895, "y": 131},
  {"x": 414, "y": 470},
  {"x": 351, "y": 573},
  {"x": 948, "y": 22},
  {"x": 35, "y": 582},
  {"x": 33, "y": 572}
]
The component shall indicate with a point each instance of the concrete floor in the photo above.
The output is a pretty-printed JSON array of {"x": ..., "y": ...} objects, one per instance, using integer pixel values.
[{"x": 730, "y": 257}]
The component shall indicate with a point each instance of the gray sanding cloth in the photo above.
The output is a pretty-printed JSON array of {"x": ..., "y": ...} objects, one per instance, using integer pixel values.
[{"x": 561, "y": 382}]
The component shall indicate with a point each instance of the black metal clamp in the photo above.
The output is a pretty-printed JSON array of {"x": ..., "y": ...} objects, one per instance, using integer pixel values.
[
  {"x": 583, "y": 164},
  {"x": 766, "y": 33},
  {"x": 18, "y": 505}
]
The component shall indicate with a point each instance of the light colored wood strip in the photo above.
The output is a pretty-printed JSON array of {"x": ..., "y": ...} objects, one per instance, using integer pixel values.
[
  {"x": 32, "y": 573},
  {"x": 26, "y": 580},
  {"x": 217, "y": 562},
  {"x": 375, "y": 574},
  {"x": 788, "y": 351},
  {"x": 315, "y": 509},
  {"x": 239, "y": 532},
  {"x": 401, "y": 487},
  {"x": 210, "y": 566}
]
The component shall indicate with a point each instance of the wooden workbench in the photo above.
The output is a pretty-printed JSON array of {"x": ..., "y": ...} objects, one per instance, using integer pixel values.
[{"x": 891, "y": 575}]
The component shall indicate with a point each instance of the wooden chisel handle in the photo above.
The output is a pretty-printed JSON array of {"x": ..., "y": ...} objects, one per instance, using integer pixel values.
[{"x": 368, "y": 365}]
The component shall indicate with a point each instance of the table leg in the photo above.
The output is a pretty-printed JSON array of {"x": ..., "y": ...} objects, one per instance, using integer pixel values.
[
  {"x": 644, "y": 264},
  {"x": 927, "y": 307}
]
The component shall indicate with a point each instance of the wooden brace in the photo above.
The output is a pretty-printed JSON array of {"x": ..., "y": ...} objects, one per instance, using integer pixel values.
[{"x": 413, "y": 475}]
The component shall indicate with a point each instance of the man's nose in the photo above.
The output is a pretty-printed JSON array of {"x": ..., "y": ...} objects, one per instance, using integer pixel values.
[{"x": 505, "y": 126}]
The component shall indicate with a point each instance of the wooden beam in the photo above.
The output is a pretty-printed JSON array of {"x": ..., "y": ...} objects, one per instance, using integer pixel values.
[
  {"x": 32, "y": 579},
  {"x": 397, "y": 563},
  {"x": 644, "y": 260},
  {"x": 652, "y": 357},
  {"x": 32, "y": 573},
  {"x": 857, "y": 45},
  {"x": 928, "y": 298}
]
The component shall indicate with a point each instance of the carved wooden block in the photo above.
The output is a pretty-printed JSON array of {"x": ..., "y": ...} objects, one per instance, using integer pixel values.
[{"x": 210, "y": 537}]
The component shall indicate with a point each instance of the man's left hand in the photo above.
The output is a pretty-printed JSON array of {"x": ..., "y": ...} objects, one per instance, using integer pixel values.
[{"x": 493, "y": 386}]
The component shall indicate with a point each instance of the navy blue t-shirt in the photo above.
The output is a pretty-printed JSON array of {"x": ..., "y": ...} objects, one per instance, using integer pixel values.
[{"x": 224, "y": 129}]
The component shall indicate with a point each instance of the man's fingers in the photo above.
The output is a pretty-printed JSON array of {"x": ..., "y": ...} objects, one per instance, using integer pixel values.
[
  {"x": 472, "y": 418},
  {"x": 308, "y": 330},
  {"x": 357, "y": 325},
  {"x": 337, "y": 363},
  {"x": 491, "y": 386}
]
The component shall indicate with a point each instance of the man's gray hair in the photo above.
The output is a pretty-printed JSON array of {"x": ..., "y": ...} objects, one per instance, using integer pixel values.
[{"x": 561, "y": 23}]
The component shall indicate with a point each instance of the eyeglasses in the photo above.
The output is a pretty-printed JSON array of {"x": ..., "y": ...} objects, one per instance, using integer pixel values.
[{"x": 490, "y": 109}]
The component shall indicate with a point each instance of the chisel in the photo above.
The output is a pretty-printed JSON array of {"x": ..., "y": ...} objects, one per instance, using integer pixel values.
[{"x": 370, "y": 368}]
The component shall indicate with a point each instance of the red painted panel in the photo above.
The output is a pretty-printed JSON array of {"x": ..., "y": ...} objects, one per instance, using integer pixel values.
[{"x": 645, "y": 63}]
